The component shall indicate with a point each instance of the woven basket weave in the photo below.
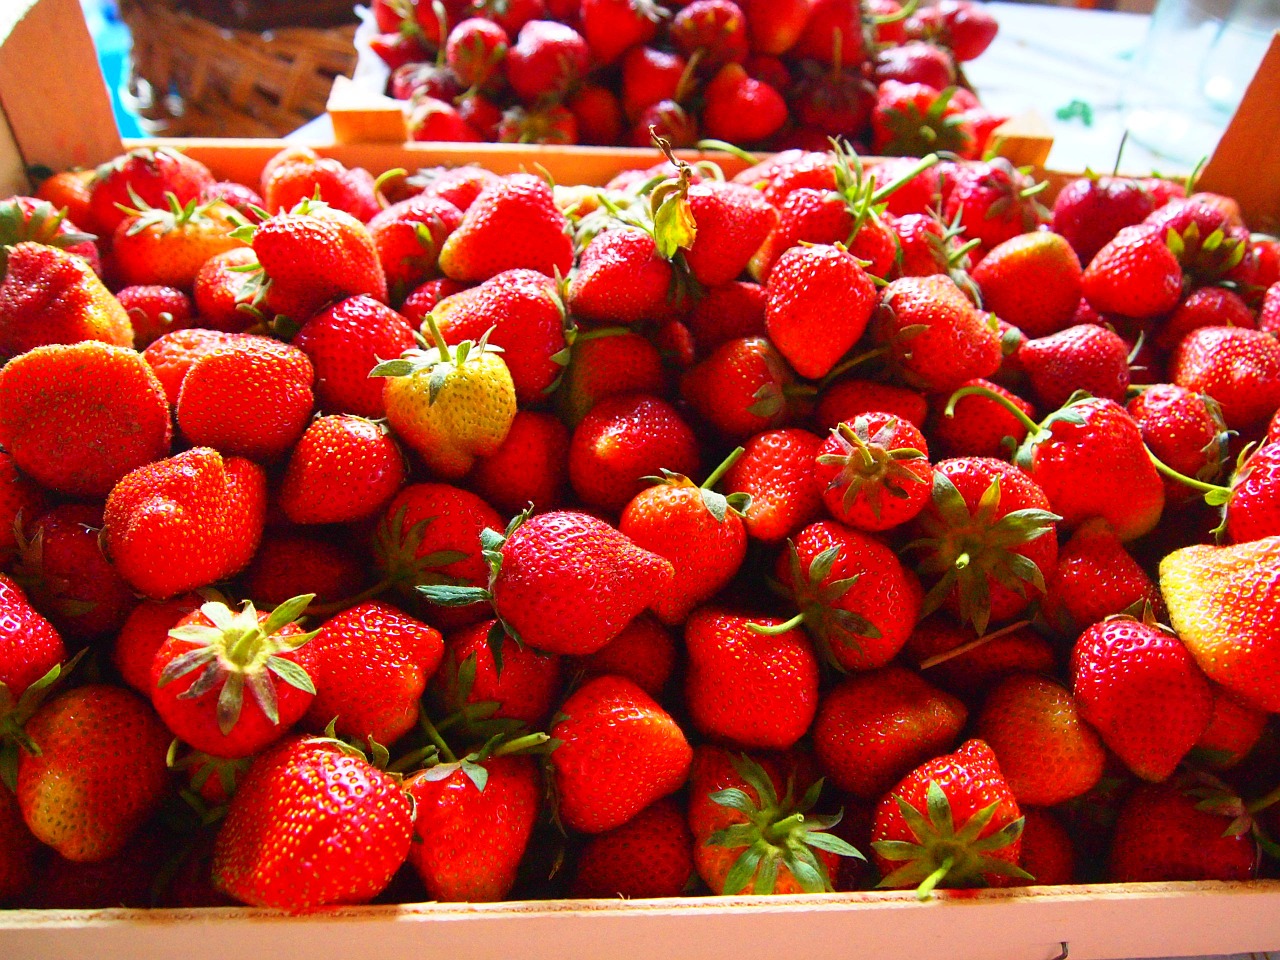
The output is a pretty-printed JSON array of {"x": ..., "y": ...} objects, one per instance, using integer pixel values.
[{"x": 192, "y": 78}]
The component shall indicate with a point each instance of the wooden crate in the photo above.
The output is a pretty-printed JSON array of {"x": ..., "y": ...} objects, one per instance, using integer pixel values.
[{"x": 61, "y": 119}]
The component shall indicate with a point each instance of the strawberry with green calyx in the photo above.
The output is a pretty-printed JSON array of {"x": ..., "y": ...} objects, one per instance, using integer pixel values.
[
  {"x": 1185, "y": 431},
  {"x": 651, "y": 855},
  {"x": 912, "y": 119},
  {"x": 28, "y": 218},
  {"x": 875, "y": 472},
  {"x": 994, "y": 201},
  {"x": 989, "y": 537},
  {"x": 742, "y": 387},
  {"x": 1204, "y": 238},
  {"x": 144, "y": 173},
  {"x": 952, "y": 822},
  {"x": 214, "y": 657},
  {"x": 449, "y": 406},
  {"x": 855, "y": 598},
  {"x": 474, "y": 693},
  {"x": 561, "y": 582},
  {"x": 168, "y": 244},
  {"x": 699, "y": 530},
  {"x": 753, "y": 828},
  {"x": 30, "y": 670},
  {"x": 776, "y": 471},
  {"x": 212, "y": 779}
]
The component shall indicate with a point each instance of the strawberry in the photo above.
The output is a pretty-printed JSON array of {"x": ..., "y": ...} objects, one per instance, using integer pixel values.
[
  {"x": 450, "y": 407},
  {"x": 951, "y": 822},
  {"x": 874, "y": 471},
  {"x": 668, "y": 120},
  {"x": 77, "y": 418},
  {"x": 1240, "y": 369},
  {"x": 855, "y": 598},
  {"x": 1207, "y": 240},
  {"x": 524, "y": 316},
  {"x": 1186, "y": 432},
  {"x": 872, "y": 728},
  {"x": 747, "y": 688},
  {"x": 171, "y": 356},
  {"x": 409, "y": 235},
  {"x": 514, "y": 223},
  {"x": 849, "y": 399},
  {"x": 650, "y": 76},
  {"x": 1048, "y": 853},
  {"x": 975, "y": 426},
  {"x": 423, "y": 300},
  {"x": 251, "y": 398},
  {"x": 185, "y": 522},
  {"x": 1089, "y": 211},
  {"x": 788, "y": 171},
  {"x": 620, "y": 278},
  {"x": 98, "y": 774},
  {"x": 651, "y": 855},
  {"x": 31, "y": 651},
  {"x": 731, "y": 222},
  {"x": 774, "y": 26},
  {"x": 551, "y": 124},
  {"x": 440, "y": 121},
  {"x": 612, "y": 27},
  {"x": 311, "y": 824},
  {"x": 217, "y": 290},
  {"x": 1219, "y": 600},
  {"x": 469, "y": 683},
  {"x": 51, "y": 296},
  {"x": 832, "y": 33},
  {"x": 25, "y": 219},
  {"x": 548, "y": 59},
  {"x": 1096, "y": 578},
  {"x": 912, "y": 119},
  {"x": 934, "y": 335},
  {"x": 619, "y": 752},
  {"x": 1233, "y": 732},
  {"x": 146, "y": 174},
  {"x": 20, "y": 498},
  {"x": 949, "y": 655},
  {"x": 289, "y": 563},
  {"x": 371, "y": 664},
  {"x": 168, "y": 245},
  {"x": 143, "y": 633},
  {"x": 625, "y": 438},
  {"x": 1032, "y": 281},
  {"x": 597, "y": 114},
  {"x": 1047, "y": 753},
  {"x": 1269, "y": 313},
  {"x": 988, "y": 532},
  {"x": 741, "y": 388},
  {"x": 643, "y": 652},
  {"x": 474, "y": 51},
  {"x": 1142, "y": 691},
  {"x": 753, "y": 825},
  {"x": 531, "y": 465},
  {"x": 1204, "y": 307},
  {"x": 1162, "y": 833},
  {"x": 716, "y": 28},
  {"x": 459, "y": 185},
  {"x": 304, "y": 176},
  {"x": 607, "y": 362},
  {"x": 776, "y": 472},
  {"x": 818, "y": 303},
  {"x": 69, "y": 190},
  {"x": 1253, "y": 508},
  {"x": 739, "y": 108},
  {"x": 1083, "y": 357},
  {"x": 241, "y": 198},
  {"x": 18, "y": 850},
  {"x": 472, "y": 826},
  {"x": 1135, "y": 274},
  {"x": 65, "y": 574},
  {"x": 341, "y": 469},
  {"x": 154, "y": 311}
]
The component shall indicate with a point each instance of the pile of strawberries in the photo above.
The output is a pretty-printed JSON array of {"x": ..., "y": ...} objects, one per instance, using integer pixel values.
[
  {"x": 767, "y": 73},
  {"x": 459, "y": 537}
]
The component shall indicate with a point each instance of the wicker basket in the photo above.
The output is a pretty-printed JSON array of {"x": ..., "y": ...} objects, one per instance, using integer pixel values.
[{"x": 190, "y": 77}]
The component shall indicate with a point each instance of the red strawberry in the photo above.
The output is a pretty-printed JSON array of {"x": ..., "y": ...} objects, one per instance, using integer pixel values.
[
  {"x": 553, "y": 124},
  {"x": 774, "y": 26},
  {"x": 612, "y": 27},
  {"x": 548, "y": 60},
  {"x": 19, "y": 849},
  {"x": 185, "y": 522},
  {"x": 27, "y": 218},
  {"x": 741, "y": 388},
  {"x": 790, "y": 170},
  {"x": 598, "y": 115},
  {"x": 1048, "y": 853},
  {"x": 650, "y": 76},
  {"x": 949, "y": 655},
  {"x": 849, "y": 399},
  {"x": 1091, "y": 210},
  {"x": 873, "y": 727},
  {"x": 1142, "y": 691},
  {"x": 1135, "y": 274},
  {"x": 977, "y": 426},
  {"x": 874, "y": 471},
  {"x": 1253, "y": 510},
  {"x": 650, "y": 855},
  {"x": 20, "y": 499},
  {"x": 913, "y": 119},
  {"x": 1186, "y": 432},
  {"x": 147, "y": 174},
  {"x": 51, "y": 296},
  {"x": 1240, "y": 369},
  {"x": 916, "y": 62},
  {"x": 437, "y": 120},
  {"x": 341, "y": 469},
  {"x": 1083, "y": 357},
  {"x": 604, "y": 363},
  {"x": 747, "y": 688},
  {"x": 236, "y": 195},
  {"x": 1032, "y": 281},
  {"x": 668, "y": 120},
  {"x": 169, "y": 245},
  {"x": 833, "y": 33},
  {"x": 409, "y": 235},
  {"x": 513, "y": 223},
  {"x": 619, "y": 752},
  {"x": 1204, "y": 307},
  {"x": 732, "y": 221},
  {"x": 422, "y": 301},
  {"x": 1232, "y": 733},
  {"x": 739, "y": 108},
  {"x": 1096, "y": 578},
  {"x": 217, "y": 291},
  {"x": 620, "y": 279},
  {"x": 154, "y": 311},
  {"x": 717, "y": 28},
  {"x": 311, "y": 824},
  {"x": 71, "y": 190},
  {"x": 926, "y": 829},
  {"x": 967, "y": 28},
  {"x": 289, "y": 563},
  {"x": 301, "y": 177},
  {"x": 525, "y": 690},
  {"x": 776, "y": 471},
  {"x": 529, "y": 467},
  {"x": 143, "y": 633},
  {"x": 1207, "y": 240},
  {"x": 99, "y": 773},
  {"x": 30, "y": 653},
  {"x": 77, "y": 418},
  {"x": 643, "y": 652}
]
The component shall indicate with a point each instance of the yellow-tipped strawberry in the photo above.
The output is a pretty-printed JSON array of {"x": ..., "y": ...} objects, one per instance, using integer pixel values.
[
  {"x": 1223, "y": 602},
  {"x": 451, "y": 406}
]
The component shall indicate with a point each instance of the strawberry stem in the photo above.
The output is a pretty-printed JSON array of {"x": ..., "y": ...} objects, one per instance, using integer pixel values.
[
  {"x": 925, "y": 890},
  {"x": 777, "y": 628},
  {"x": 971, "y": 645},
  {"x": 923, "y": 164},
  {"x": 438, "y": 337},
  {"x": 434, "y": 736},
  {"x": 724, "y": 468},
  {"x": 328, "y": 609},
  {"x": 975, "y": 390},
  {"x": 1256, "y": 806},
  {"x": 849, "y": 364},
  {"x": 1172, "y": 474}
]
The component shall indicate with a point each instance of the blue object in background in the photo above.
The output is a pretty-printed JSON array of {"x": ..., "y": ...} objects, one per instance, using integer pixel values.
[{"x": 111, "y": 37}]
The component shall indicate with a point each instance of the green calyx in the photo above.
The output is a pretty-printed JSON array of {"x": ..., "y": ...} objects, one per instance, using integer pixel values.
[
  {"x": 945, "y": 854},
  {"x": 437, "y": 364},
  {"x": 16, "y": 711},
  {"x": 442, "y": 761},
  {"x": 717, "y": 504},
  {"x": 915, "y": 132},
  {"x": 864, "y": 197},
  {"x": 868, "y": 467},
  {"x": 1037, "y": 433},
  {"x": 238, "y": 650},
  {"x": 674, "y": 228},
  {"x": 42, "y": 225},
  {"x": 969, "y": 550},
  {"x": 1206, "y": 258},
  {"x": 174, "y": 214},
  {"x": 778, "y": 833}
]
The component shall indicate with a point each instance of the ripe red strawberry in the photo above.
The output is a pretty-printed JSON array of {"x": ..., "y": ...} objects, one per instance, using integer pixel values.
[
  {"x": 30, "y": 219},
  {"x": 598, "y": 115},
  {"x": 1252, "y": 511},
  {"x": 301, "y": 175},
  {"x": 344, "y": 343},
  {"x": 739, "y": 108},
  {"x": 746, "y": 688},
  {"x": 438, "y": 120},
  {"x": 874, "y": 471},
  {"x": 622, "y": 440},
  {"x": 1208, "y": 241},
  {"x": 643, "y": 652},
  {"x": 1032, "y": 281},
  {"x": 818, "y": 303},
  {"x": 473, "y": 823},
  {"x": 790, "y": 170},
  {"x": 1142, "y": 691},
  {"x": 855, "y": 598},
  {"x": 529, "y": 467},
  {"x": 1204, "y": 307},
  {"x": 30, "y": 650},
  {"x": 289, "y": 563},
  {"x": 20, "y": 499},
  {"x": 77, "y": 418},
  {"x": 514, "y": 223},
  {"x": 553, "y": 124},
  {"x": 1084, "y": 357},
  {"x": 604, "y": 363},
  {"x": 69, "y": 189},
  {"x": 948, "y": 655},
  {"x": 977, "y": 426},
  {"x": 612, "y": 27},
  {"x": 409, "y": 235},
  {"x": 311, "y": 824},
  {"x": 1269, "y": 312},
  {"x": 989, "y": 534},
  {"x": 240, "y": 197},
  {"x": 849, "y": 399},
  {"x": 1135, "y": 275},
  {"x": 650, "y": 855},
  {"x": 217, "y": 291},
  {"x": 1096, "y": 578},
  {"x": 548, "y": 60},
  {"x": 1240, "y": 369},
  {"x": 832, "y": 33},
  {"x": 732, "y": 221},
  {"x": 423, "y": 300},
  {"x": 171, "y": 356},
  {"x": 99, "y": 773},
  {"x": 1162, "y": 833},
  {"x": 341, "y": 469},
  {"x": 805, "y": 216},
  {"x": 753, "y": 825},
  {"x": 776, "y": 472},
  {"x": 370, "y": 664},
  {"x": 774, "y": 26},
  {"x": 717, "y": 28},
  {"x": 185, "y": 522},
  {"x": 994, "y": 202},
  {"x": 1089, "y": 211},
  {"x": 927, "y": 828},
  {"x": 143, "y": 633},
  {"x": 668, "y": 120},
  {"x": 620, "y": 279},
  {"x": 873, "y": 727},
  {"x": 154, "y": 311},
  {"x": 1185, "y": 431},
  {"x": 619, "y": 752},
  {"x": 934, "y": 334},
  {"x": 51, "y": 296},
  {"x": 912, "y": 119},
  {"x": 966, "y": 28},
  {"x": 525, "y": 690},
  {"x": 147, "y": 174},
  {"x": 650, "y": 76},
  {"x": 741, "y": 388},
  {"x": 475, "y": 50},
  {"x": 1048, "y": 853},
  {"x": 545, "y": 593},
  {"x": 169, "y": 244},
  {"x": 1047, "y": 753},
  {"x": 915, "y": 61}
]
